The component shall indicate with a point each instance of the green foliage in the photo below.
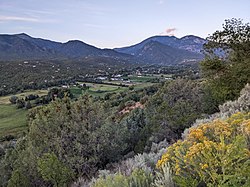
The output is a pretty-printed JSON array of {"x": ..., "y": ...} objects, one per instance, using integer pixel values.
[
  {"x": 227, "y": 75},
  {"x": 139, "y": 170},
  {"x": 53, "y": 170},
  {"x": 227, "y": 109},
  {"x": 164, "y": 178},
  {"x": 112, "y": 181},
  {"x": 82, "y": 135},
  {"x": 235, "y": 36},
  {"x": 6, "y": 167},
  {"x": 173, "y": 108},
  {"x": 18, "y": 179},
  {"x": 20, "y": 103},
  {"x": 138, "y": 178},
  {"x": 13, "y": 99},
  {"x": 131, "y": 87},
  {"x": 138, "y": 131},
  {"x": 59, "y": 93},
  {"x": 28, "y": 105},
  {"x": 82, "y": 138}
]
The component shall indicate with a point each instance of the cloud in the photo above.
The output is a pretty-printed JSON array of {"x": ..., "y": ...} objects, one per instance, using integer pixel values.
[
  {"x": 44, "y": 12},
  {"x": 93, "y": 25},
  {"x": 17, "y": 18},
  {"x": 4, "y": 18},
  {"x": 161, "y": 2},
  {"x": 169, "y": 32}
]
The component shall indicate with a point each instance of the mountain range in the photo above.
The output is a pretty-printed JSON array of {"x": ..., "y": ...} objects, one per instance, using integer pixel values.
[{"x": 164, "y": 50}]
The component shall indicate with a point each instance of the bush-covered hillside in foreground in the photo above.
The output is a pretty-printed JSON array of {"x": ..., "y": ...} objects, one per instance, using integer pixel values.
[
  {"x": 93, "y": 142},
  {"x": 214, "y": 152}
]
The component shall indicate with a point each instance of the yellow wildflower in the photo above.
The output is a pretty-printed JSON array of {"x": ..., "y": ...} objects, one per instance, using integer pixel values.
[{"x": 204, "y": 166}]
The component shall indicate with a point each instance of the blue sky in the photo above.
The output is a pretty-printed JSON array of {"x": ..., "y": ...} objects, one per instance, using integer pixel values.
[{"x": 116, "y": 23}]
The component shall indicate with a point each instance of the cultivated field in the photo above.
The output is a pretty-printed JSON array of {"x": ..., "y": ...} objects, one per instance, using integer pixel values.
[
  {"x": 12, "y": 121},
  {"x": 95, "y": 89}
]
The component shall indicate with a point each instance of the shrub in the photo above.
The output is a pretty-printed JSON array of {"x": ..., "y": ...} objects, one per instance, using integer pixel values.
[
  {"x": 164, "y": 178},
  {"x": 139, "y": 178},
  {"x": 215, "y": 153},
  {"x": 31, "y": 97},
  {"x": 80, "y": 182},
  {"x": 13, "y": 99},
  {"x": 81, "y": 135},
  {"x": 112, "y": 181},
  {"x": 174, "y": 108},
  {"x": 144, "y": 161},
  {"x": 53, "y": 170},
  {"x": 20, "y": 103},
  {"x": 140, "y": 164},
  {"x": 242, "y": 104},
  {"x": 28, "y": 105},
  {"x": 18, "y": 179}
]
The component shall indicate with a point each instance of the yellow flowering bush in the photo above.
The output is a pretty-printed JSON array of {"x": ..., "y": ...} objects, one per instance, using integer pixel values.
[{"x": 215, "y": 153}]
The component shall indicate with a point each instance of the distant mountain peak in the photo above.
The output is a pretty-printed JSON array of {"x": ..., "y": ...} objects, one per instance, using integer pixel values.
[
  {"x": 196, "y": 39},
  {"x": 24, "y": 47},
  {"x": 22, "y": 34},
  {"x": 165, "y": 50},
  {"x": 75, "y": 41},
  {"x": 164, "y": 36}
]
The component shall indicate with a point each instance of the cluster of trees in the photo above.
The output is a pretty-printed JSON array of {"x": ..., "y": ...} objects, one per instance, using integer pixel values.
[
  {"x": 32, "y": 100},
  {"x": 21, "y": 103}
]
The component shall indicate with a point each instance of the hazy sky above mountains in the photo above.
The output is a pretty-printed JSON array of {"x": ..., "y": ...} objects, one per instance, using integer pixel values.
[{"x": 116, "y": 23}]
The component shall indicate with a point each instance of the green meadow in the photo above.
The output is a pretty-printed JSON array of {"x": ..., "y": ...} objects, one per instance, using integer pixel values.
[{"x": 12, "y": 121}]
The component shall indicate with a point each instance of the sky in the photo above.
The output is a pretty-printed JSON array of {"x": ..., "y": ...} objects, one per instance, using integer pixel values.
[{"x": 117, "y": 23}]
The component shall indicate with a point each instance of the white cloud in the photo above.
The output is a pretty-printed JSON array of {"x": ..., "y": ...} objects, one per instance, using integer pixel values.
[
  {"x": 4, "y": 18},
  {"x": 93, "y": 25},
  {"x": 17, "y": 18},
  {"x": 161, "y": 2}
]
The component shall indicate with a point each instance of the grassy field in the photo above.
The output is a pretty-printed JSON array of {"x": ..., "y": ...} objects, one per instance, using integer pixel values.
[
  {"x": 98, "y": 90},
  {"x": 140, "y": 79},
  {"x": 143, "y": 85},
  {"x": 160, "y": 75},
  {"x": 12, "y": 121},
  {"x": 77, "y": 92},
  {"x": 5, "y": 99}
]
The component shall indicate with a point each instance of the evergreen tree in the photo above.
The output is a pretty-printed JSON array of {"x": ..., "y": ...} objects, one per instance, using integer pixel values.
[{"x": 226, "y": 67}]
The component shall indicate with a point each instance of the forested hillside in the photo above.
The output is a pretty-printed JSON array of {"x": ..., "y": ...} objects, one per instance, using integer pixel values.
[{"x": 180, "y": 132}]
